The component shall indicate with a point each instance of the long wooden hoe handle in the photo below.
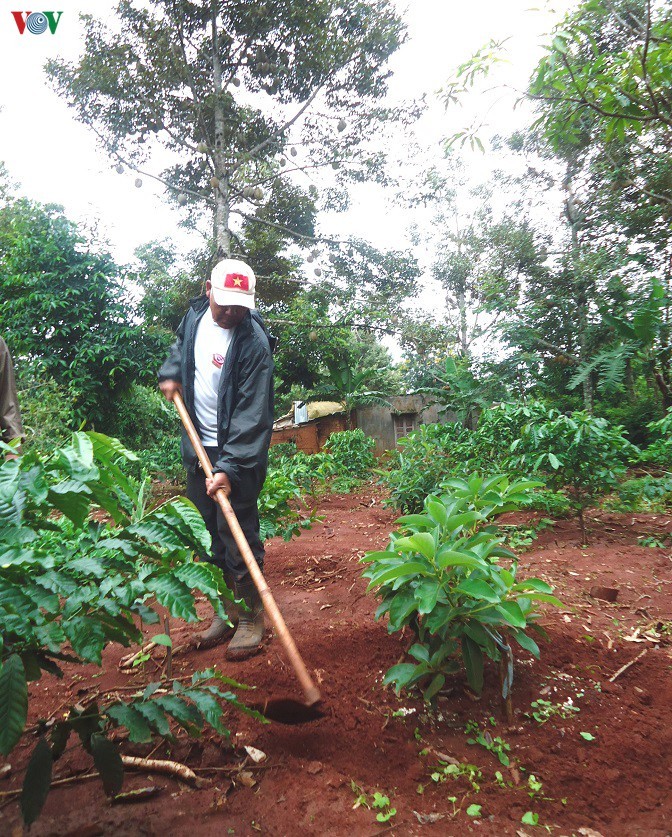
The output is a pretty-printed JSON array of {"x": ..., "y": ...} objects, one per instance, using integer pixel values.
[{"x": 309, "y": 688}]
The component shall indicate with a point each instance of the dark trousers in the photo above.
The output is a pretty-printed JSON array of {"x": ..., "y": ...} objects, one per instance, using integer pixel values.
[{"x": 225, "y": 553}]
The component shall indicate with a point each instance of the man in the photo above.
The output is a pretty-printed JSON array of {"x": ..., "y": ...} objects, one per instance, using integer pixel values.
[
  {"x": 10, "y": 416},
  {"x": 222, "y": 364}
]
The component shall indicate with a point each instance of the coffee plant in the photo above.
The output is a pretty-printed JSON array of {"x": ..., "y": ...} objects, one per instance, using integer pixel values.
[
  {"x": 583, "y": 455},
  {"x": 441, "y": 576},
  {"x": 82, "y": 560}
]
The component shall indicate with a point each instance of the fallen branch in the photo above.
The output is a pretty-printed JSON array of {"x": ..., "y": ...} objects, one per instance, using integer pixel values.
[
  {"x": 624, "y": 668},
  {"x": 54, "y": 784},
  {"x": 127, "y": 662},
  {"x": 168, "y": 768}
]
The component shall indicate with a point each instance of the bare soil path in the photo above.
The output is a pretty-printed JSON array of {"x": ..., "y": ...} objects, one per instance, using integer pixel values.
[{"x": 370, "y": 740}]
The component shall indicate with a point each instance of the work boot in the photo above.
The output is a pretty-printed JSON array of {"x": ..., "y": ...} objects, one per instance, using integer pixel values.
[
  {"x": 219, "y": 630},
  {"x": 250, "y": 632}
]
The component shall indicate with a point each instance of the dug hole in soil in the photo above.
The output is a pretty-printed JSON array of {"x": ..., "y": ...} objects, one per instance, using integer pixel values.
[{"x": 613, "y": 781}]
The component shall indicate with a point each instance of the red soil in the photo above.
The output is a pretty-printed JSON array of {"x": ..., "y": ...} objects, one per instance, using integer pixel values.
[{"x": 616, "y": 784}]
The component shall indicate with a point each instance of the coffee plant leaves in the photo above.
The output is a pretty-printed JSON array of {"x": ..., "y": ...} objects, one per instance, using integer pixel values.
[
  {"x": 207, "y": 577},
  {"x": 447, "y": 557},
  {"x": 108, "y": 763},
  {"x": 426, "y": 594},
  {"x": 72, "y": 499},
  {"x": 209, "y": 706},
  {"x": 186, "y": 715},
  {"x": 86, "y": 636},
  {"x": 129, "y": 717},
  {"x": 438, "y": 682},
  {"x": 13, "y": 702},
  {"x": 392, "y": 573},
  {"x": 60, "y": 734},
  {"x": 154, "y": 715},
  {"x": 36, "y": 782},
  {"x": 174, "y": 595}
]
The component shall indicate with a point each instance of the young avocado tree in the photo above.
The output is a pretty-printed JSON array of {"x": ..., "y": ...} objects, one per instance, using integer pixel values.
[
  {"x": 250, "y": 99},
  {"x": 447, "y": 576}
]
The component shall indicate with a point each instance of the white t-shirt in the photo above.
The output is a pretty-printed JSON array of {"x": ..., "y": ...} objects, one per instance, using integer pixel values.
[{"x": 212, "y": 344}]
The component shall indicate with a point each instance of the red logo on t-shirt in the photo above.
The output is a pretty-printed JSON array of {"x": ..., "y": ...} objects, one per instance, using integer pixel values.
[{"x": 218, "y": 360}]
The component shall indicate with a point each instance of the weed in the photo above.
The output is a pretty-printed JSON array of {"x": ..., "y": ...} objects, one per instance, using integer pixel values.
[
  {"x": 379, "y": 801},
  {"x": 454, "y": 771},
  {"x": 544, "y": 709},
  {"x": 519, "y": 538},
  {"x": 656, "y": 541},
  {"x": 496, "y": 745}
]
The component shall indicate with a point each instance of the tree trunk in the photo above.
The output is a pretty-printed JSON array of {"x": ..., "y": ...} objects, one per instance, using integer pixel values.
[
  {"x": 222, "y": 234},
  {"x": 575, "y": 219}
]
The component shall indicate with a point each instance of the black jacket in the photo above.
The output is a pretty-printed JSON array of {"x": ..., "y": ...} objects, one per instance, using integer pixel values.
[{"x": 245, "y": 402}]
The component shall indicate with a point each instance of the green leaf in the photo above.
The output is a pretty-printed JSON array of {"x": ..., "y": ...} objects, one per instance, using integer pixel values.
[
  {"x": 153, "y": 713},
  {"x": 419, "y": 652},
  {"x": 587, "y": 736},
  {"x": 533, "y": 584},
  {"x": 13, "y": 703},
  {"x": 474, "y": 810},
  {"x": 86, "y": 636},
  {"x": 479, "y": 590},
  {"x": 473, "y": 663},
  {"x": 426, "y": 594},
  {"x": 173, "y": 594},
  {"x": 400, "y": 675},
  {"x": 60, "y": 735},
  {"x": 447, "y": 557},
  {"x": 108, "y": 763},
  {"x": 526, "y": 642},
  {"x": 186, "y": 715},
  {"x": 413, "y": 520},
  {"x": 512, "y": 614},
  {"x": 555, "y": 462},
  {"x": 162, "y": 639},
  {"x": 434, "y": 687},
  {"x": 134, "y": 721},
  {"x": 421, "y": 542},
  {"x": 437, "y": 511},
  {"x": 209, "y": 707},
  {"x": 36, "y": 782},
  {"x": 465, "y": 520},
  {"x": 529, "y": 818},
  {"x": 407, "y": 568}
]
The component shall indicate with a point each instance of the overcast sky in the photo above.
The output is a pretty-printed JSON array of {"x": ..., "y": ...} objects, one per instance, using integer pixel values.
[{"x": 55, "y": 159}]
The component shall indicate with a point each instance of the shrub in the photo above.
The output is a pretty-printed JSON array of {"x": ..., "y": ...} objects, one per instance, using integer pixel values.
[
  {"x": 278, "y": 514},
  {"x": 583, "y": 455},
  {"x": 71, "y": 584},
  {"x": 441, "y": 577},
  {"x": 352, "y": 451},
  {"x": 660, "y": 450},
  {"x": 650, "y": 494},
  {"x": 425, "y": 458},
  {"x": 48, "y": 412},
  {"x": 145, "y": 422}
]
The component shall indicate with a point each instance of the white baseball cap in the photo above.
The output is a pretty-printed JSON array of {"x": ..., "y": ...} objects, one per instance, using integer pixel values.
[{"x": 233, "y": 283}]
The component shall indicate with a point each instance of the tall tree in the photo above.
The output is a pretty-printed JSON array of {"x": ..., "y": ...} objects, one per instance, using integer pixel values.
[
  {"x": 64, "y": 304},
  {"x": 246, "y": 97}
]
